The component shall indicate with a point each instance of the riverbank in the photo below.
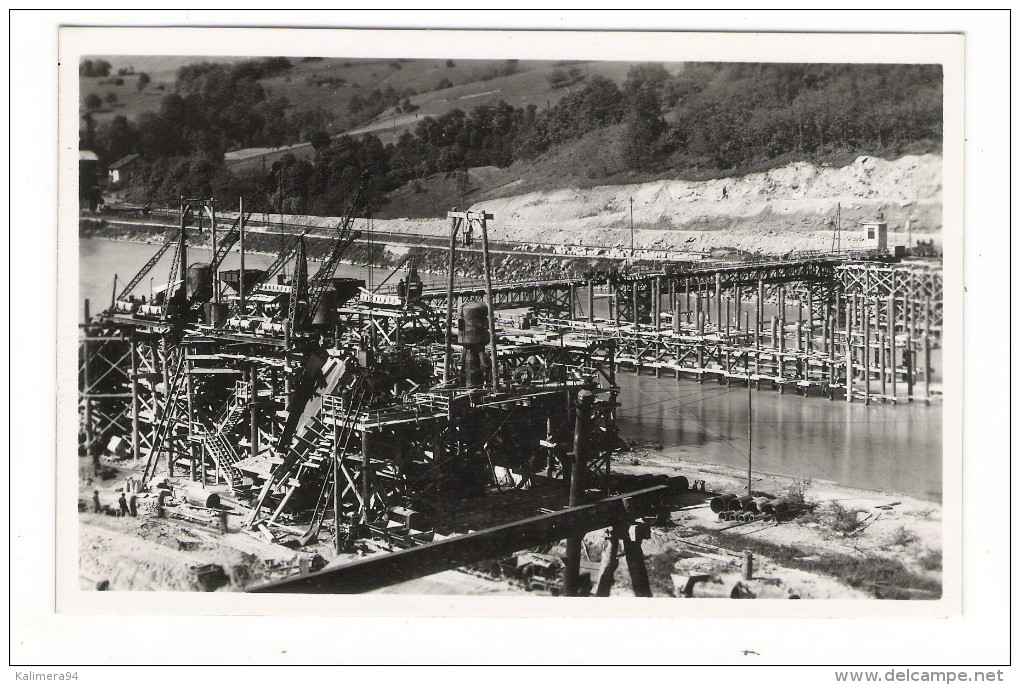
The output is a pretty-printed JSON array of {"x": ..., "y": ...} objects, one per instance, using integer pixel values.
[
  {"x": 850, "y": 542},
  {"x": 429, "y": 259},
  {"x": 840, "y": 543}
]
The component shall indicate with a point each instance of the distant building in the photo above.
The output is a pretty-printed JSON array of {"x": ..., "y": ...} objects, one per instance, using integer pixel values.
[
  {"x": 88, "y": 180},
  {"x": 876, "y": 235},
  {"x": 124, "y": 169}
]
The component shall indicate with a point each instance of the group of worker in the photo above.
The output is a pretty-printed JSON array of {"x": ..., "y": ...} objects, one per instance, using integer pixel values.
[{"x": 126, "y": 507}]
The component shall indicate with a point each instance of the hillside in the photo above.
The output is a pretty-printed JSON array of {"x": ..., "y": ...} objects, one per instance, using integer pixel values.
[
  {"x": 791, "y": 208},
  {"x": 700, "y": 147}
]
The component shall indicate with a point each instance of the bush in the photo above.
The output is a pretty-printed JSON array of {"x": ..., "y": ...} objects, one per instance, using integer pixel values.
[
  {"x": 843, "y": 519},
  {"x": 931, "y": 560},
  {"x": 903, "y": 537},
  {"x": 795, "y": 493}
]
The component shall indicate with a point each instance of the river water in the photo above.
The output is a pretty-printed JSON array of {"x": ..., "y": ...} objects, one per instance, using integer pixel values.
[{"x": 879, "y": 447}]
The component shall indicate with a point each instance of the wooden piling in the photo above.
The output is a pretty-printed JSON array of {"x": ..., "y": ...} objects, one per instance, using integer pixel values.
[
  {"x": 811, "y": 322},
  {"x": 718, "y": 302},
  {"x": 891, "y": 333},
  {"x": 849, "y": 350},
  {"x": 908, "y": 363},
  {"x": 881, "y": 362},
  {"x": 927, "y": 366},
  {"x": 591, "y": 300},
  {"x": 656, "y": 302},
  {"x": 759, "y": 314},
  {"x": 866, "y": 318},
  {"x": 700, "y": 314}
]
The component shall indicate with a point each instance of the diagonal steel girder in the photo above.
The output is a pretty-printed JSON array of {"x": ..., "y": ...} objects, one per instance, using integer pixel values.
[{"x": 382, "y": 570}]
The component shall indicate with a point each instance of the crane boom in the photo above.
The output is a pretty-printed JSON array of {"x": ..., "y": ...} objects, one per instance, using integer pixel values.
[{"x": 345, "y": 236}]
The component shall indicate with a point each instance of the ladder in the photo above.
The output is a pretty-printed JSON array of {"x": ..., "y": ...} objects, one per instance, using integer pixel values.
[
  {"x": 223, "y": 454},
  {"x": 233, "y": 410},
  {"x": 165, "y": 421}
]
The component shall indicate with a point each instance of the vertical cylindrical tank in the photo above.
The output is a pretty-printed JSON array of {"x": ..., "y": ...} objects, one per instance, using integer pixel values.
[
  {"x": 473, "y": 334},
  {"x": 216, "y": 313},
  {"x": 199, "y": 280},
  {"x": 474, "y": 320}
]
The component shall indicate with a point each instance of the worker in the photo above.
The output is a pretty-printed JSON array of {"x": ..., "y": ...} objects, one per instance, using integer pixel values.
[
  {"x": 96, "y": 508},
  {"x": 724, "y": 192},
  {"x": 133, "y": 505},
  {"x": 124, "y": 511}
]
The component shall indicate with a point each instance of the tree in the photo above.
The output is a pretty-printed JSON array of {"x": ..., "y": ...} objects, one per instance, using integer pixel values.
[
  {"x": 143, "y": 80},
  {"x": 90, "y": 69},
  {"x": 320, "y": 140},
  {"x": 93, "y": 102},
  {"x": 116, "y": 139},
  {"x": 111, "y": 98}
]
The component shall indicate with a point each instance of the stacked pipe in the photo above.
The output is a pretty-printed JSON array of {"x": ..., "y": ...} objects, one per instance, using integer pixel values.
[{"x": 745, "y": 508}]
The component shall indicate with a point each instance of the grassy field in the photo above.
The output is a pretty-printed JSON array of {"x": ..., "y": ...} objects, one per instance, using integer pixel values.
[
  {"x": 331, "y": 84},
  {"x": 131, "y": 102}
]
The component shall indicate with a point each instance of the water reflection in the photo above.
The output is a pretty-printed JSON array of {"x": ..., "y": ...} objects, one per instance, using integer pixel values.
[{"x": 886, "y": 447}]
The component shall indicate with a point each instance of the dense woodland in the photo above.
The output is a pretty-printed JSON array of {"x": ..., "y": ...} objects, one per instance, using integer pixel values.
[{"x": 707, "y": 118}]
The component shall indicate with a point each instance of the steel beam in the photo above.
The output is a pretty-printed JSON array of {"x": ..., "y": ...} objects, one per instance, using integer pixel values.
[{"x": 382, "y": 570}]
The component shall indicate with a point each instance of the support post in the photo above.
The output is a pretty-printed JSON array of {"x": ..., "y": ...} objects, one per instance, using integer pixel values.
[
  {"x": 759, "y": 312},
  {"x": 366, "y": 483},
  {"x": 866, "y": 315},
  {"x": 240, "y": 272},
  {"x": 136, "y": 447},
  {"x": 891, "y": 334},
  {"x": 636, "y": 567},
  {"x": 849, "y": 353},
  {"x": 572, "y": 564},
  {"x": 927, "y": 366},
  {"x": 448, "y": 333},
  {"x": 337, "y": 456},
  {"x": 718, "y": 303},
  {"x": 608, "y": 564},
  {"x": 591, "y": 300},
  {"x": 908, "y": 363},
  {"x": 488, "y": 302},
  {"x": 656, "y": 302},
  {"x": 253, "y": 397}
]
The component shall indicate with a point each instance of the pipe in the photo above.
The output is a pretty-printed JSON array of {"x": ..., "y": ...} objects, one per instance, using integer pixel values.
[
  {"x": 739, "y": 503},
  {"x": 755, "y": 505},
  {"x": 721, "y": 503}
]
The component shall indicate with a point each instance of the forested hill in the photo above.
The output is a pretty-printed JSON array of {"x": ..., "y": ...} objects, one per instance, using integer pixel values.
[{"x": 698, "y": 121}]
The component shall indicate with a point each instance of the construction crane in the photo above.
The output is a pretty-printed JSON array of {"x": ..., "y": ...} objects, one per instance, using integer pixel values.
[{"x": 344, "y": 237}]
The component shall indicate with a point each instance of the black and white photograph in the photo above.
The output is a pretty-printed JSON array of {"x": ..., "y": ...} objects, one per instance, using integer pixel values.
[
  {"x": 491, "y": 323},
  {"x": 496, "y": 326}
]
